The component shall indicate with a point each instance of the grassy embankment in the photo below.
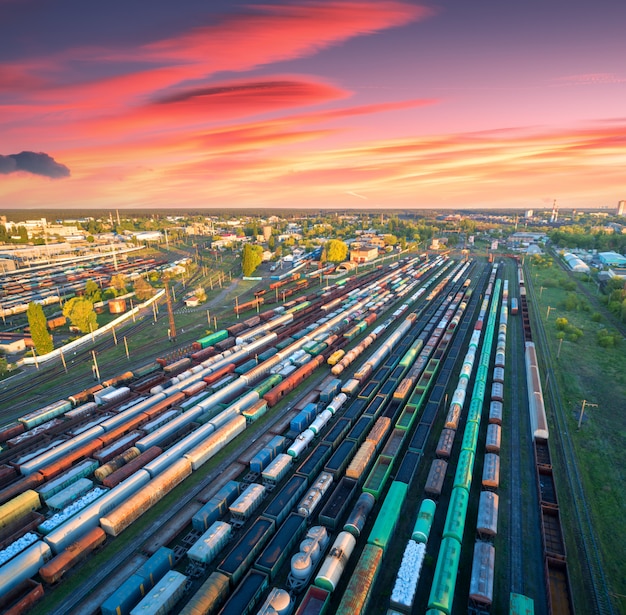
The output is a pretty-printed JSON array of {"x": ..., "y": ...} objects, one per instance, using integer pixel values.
[{"x": 588, "y": 371}]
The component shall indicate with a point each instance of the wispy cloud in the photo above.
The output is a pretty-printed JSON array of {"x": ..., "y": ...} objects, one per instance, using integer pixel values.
[{"x": 592, "y": 79}]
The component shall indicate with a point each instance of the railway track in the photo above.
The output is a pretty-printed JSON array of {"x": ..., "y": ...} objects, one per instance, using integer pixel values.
[
  {"x": 588, "y": 554},
  {"x": 74, "y": 602},
  {"x": 515, "y": 538}
]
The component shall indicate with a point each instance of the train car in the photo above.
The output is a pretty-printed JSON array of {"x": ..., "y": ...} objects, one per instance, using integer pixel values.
[
  {"x": 246, "y": 503},
  {"x": 315, "y": 601},
  {"x": 240, "y": 558},
  {"x": 334, "y": 565},
  {"x": 487, "y": 521},
  {"x": 21, "y": 598},
  {"x": 286, "y": 498},
  {"x": 334, "y": 510},
  {"x": 444, "y": 580},
  {"x": 358, "y": 593},
  {"x": 247, "y": 594},
  {"x": 281, "y": 545},
  {"x": 446, "y": 441},
  {"x": 23, "y": 566},
  {"x": 387, "y": 519},
  {"x": 404, "y": 589},
  {"x": 521, "y": 605},
  {"x": 58, "y": 566},
  {"x": 538, "y": 420},
  {"x": 495, "y": 412},
  {"x": 491, "y": 471},
  {"x": 114, "y": 522},
  {"x": 164, "y": 595},
  {"x": 494, "y": 435},
  {"x": 209, "y": 597},
  {"x": 436, "y": 476},
  {"x": 481, "y": 581}
]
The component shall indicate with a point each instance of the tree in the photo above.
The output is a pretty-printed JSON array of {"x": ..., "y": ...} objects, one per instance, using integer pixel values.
[
  {"x": 118, "y": 283},
  {"x": 143, "y": 290},
  {"x": 4, "y": 367},
  {"x": 335, "y": 251},
  {"x": 271, "y": 242},
  {"x": 251, "y": 257},
  {"x": 92, "y": 291},
  {"x": 81, "y": 314},
  {"x": 39, "y": 328}
]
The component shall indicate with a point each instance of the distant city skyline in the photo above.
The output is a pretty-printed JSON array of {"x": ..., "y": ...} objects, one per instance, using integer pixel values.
[{"x": 321, "y": 104}]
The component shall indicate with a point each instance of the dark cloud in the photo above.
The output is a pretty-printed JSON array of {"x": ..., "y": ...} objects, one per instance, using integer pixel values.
[
  {"x": 254, "y": 88},
  {"x": 36, "y": 163}
]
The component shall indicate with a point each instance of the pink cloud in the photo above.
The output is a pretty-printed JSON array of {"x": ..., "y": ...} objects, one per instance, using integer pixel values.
[{"x": 591, "y": 79}]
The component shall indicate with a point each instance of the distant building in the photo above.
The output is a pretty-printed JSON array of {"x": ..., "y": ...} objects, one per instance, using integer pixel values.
[
  {"x": 621, "y": 208},
  {"x": 575, "y": 264},
  {"x": 363, "y": 254},
  {"x": 611, "y": 259},
  {"x": 529, "y": 213},
  {"x": 148, "y": 236},
  {"x": 617, "y": 272}
]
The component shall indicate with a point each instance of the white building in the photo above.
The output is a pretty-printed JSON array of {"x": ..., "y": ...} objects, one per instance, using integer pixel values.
[{"x": 575, "y": 264}]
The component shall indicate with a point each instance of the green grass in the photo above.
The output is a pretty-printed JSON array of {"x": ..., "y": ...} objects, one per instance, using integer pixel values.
[{"x": 586, "y": 371}]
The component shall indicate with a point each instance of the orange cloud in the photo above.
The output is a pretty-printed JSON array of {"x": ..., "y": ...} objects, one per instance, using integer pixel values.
[{"x": 269, "y": 34}]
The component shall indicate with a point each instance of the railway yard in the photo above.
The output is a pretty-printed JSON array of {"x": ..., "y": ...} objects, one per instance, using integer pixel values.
[{"x": 379, "y": 445}]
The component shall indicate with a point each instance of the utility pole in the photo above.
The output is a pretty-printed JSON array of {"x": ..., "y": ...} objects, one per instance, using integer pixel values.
[
  {"x": 548, "y": 312},
  {"x": 95, "y": 365},
  {"x": 582, "y": 412},
  {"x": 170, "y": 312}
]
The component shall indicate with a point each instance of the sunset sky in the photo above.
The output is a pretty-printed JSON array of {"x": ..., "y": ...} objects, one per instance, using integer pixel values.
[{"x": 221, "y": 103}]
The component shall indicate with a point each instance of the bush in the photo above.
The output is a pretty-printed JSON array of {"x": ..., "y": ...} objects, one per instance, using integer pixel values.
[
  {"x": 597, "y": 317},
  {"x": 561, "y": 324},
  {"x": 606, "y": 339}
]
